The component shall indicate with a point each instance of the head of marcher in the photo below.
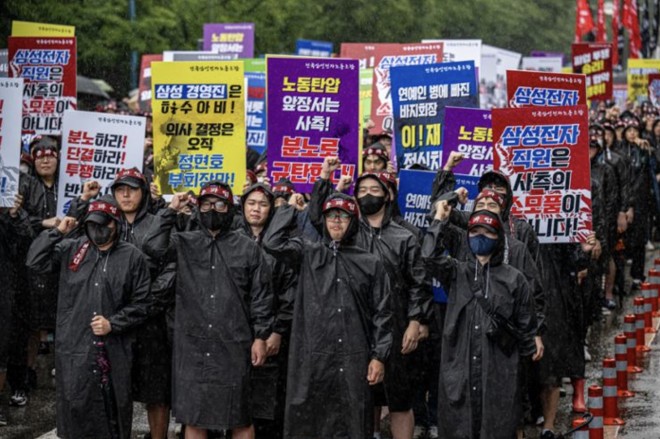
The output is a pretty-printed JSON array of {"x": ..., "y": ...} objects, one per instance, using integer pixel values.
[
  {"x": 609, "y": 134},
  {"x": 216, "y": 207},
  {"x": 631, "y": 130},
  {"x": 372, "y": 193},
  {"x": 596, "y": 140},
  {"x": 375, "y": 158},
  {"x": 258, "y": 204},
  {"x": 101, "y": 222},
  {"x": 283, "y": 191},
  {"x": 340, "y": 216},
  {"x": 385, "y": 139},
  {"x": 498, "y": 182},
  {"x": 485, "y": 234},
  {"x": 131, "y": 191},
  {"x": 44, "y": 152},
  {"x": 489, "y": 200}
]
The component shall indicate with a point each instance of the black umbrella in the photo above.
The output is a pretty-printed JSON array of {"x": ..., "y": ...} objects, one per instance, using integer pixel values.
[{"x": 85, "y": 85}]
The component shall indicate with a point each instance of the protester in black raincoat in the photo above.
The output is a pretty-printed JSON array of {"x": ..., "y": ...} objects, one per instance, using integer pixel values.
[
  {"x": 14, "y": 225},
  {"x": 40, "y": 194},
  {"x": 341, "y": 337},
  {"x": 223, "y": 313},
  {"x": 152, "y": 351},
  {"x": 479, "y": 393},
  {"x": 399, "y": 252},
  {"x": 106, "y": 282},
  {"x": 637, "y": 151},
  {"x": 269, "y": 380}
]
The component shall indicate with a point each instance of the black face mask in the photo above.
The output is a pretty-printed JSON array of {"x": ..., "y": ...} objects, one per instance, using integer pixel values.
[
  {"x": 98, "y": 234},
  {"x": 370, "y": 204},
  {"x": 216, "y": 221}
]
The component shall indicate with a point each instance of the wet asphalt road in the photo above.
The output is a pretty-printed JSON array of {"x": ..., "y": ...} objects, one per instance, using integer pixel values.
[{"x": 642, "y": 413}]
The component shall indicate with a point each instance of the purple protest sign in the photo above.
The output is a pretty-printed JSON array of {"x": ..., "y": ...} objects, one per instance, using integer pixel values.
[
  {"x": 230, "y": 38},
  {"x": 313, "y": 113},
  {"x": 469, "y": 131}
]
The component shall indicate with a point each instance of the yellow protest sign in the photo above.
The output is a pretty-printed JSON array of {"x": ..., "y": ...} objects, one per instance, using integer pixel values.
[
  {"x": 198, "y": 124},
  {"x": 29, "y": 29},
  {"x": 638, "y": 77}
]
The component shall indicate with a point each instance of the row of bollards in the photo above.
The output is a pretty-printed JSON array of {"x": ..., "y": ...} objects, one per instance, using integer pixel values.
[{"x": 603, "y": 402}]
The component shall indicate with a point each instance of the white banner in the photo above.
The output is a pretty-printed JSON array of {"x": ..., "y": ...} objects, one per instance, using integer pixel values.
[
  {"x": 96, "y": 146},
  {"x": 542, "y": 64},
  {"x": 11, "y": 115}
]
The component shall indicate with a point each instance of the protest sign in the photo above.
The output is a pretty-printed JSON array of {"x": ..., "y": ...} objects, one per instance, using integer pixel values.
[
  {"x": 96, "y": 146},
  {"x": 312, "y": 114},
  {"x": 11, "y": 92},
  {"x": 319, "y": 49},
  {"x": 545, "y": 54},
  {"x": 255, "y": 114},
  {"x": 545, "y": 154},
  {"x": 381, "y": 57},
  {"x": 620, "y": 95},
  {"x": 4, "y": 68},
  {"x": 654, "y": 88},
  {"x": 145, "y": 81},
  {"x": 199, "y": 124},
  {"x": 541, "y": 89},
  {"x": 492, "y": 83},
  {"x": 415, "y": 196},
  {"x": 638, "y": 77},
  {"x": 545, "y": 64},
  {"x": 230, "y": 39},
  {"x": 460, "y": 50},
  {"x": 420, "y": 94},
  {"x": 182, "y": 55},
  {"x": 469, "y": 131},
  {"x": 366, "y": 83},
  {"x": 594, "y": 60},
  {"x": 48, "y": 69},
  {"x": 255, "y": 65},
  {"x": 30, "y": 29}
]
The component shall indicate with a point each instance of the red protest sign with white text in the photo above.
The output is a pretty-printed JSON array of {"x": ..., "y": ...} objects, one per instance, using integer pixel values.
[
  {"x": 544, "y": 152},
  {"x": 48, "y": 68},
  {"x": 543, "y": 89},
  {"x": 594, "y": 60},
  {"x": 381, "y": 57}
]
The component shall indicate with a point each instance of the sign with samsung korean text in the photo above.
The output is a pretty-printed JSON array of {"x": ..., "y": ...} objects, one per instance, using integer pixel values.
[
  {"x": 594, "y": 60},
  {"x": 381, "y": 57},
  {"x": 11, "y": 92},
  {"x": 48, "y": 68},
  {"x": 545, "y": 154},
  {"x": 313, "y": 113},
  {"x": 541, "y": 89},
  {"x": 419, "y": 95},
  {"x": 96, "y": 146},
  {"x": 236, "y": 39},
  {"x": 199, "y": 124}
]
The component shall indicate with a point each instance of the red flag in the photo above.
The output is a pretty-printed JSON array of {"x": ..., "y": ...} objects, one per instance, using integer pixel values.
[
  {"x": 583, "y": 21},
  {"x": 601, "y": 35},
  {"x": 631, "y": 23},
  {"x": 615, "y": 32}
]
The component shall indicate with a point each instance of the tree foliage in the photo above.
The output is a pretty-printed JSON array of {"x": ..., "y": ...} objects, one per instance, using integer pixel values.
[{"x": 106, "y": 36}]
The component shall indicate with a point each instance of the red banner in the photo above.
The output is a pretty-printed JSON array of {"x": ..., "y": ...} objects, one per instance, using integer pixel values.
[
  {"x": 381, "y": 57},
  {"x": 145, "y": 81},
  {"x": 594, "y": 60},
  {"x": 601, "y": 33},
  {"x": 583, "y": 21},
  {"x": 542, "y": 89},
  {"x": 631, "y": 24},
  {"x": 48, "y": 68},
  {"x": 545, "y": 154},
  {"x": 615, "y": 31}
]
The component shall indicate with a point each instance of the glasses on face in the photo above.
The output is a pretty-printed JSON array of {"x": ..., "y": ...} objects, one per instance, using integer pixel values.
[
  {"x": 218, "y": 206},
  {"x": 334, "y": 216},
  {"x": 373, "y": 190},
  {"x": 45, "y": 158}
]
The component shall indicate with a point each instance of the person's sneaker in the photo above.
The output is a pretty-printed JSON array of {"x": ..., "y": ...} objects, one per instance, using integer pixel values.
[
  {"x": 548, "y": 434},
  {"x": 610, "y": 304},
  {"x": 540, "y": 420},
  {"x": 636, "y": 284},
  {"x": 587, "y": 355},
  {"x": 3, "y": 418},
  {"x": 649, "y": 246},
  {"x": 419, "y": 432},
  {"x": 562, "y": 391},
  {"x": 605, "y": 312},
  {"x": 18, "y": 399},
  {"x": 433, "y": 432}
]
